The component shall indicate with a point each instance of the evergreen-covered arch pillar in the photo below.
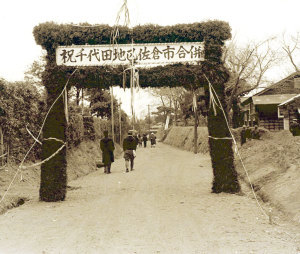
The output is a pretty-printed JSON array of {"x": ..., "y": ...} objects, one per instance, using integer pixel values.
[{"x": 50, "y": 35}]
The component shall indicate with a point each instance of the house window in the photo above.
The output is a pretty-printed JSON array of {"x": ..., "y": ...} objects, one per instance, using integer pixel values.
[
  {"x": 280, "y": 115},
  {"x": 297, "y": 83}
]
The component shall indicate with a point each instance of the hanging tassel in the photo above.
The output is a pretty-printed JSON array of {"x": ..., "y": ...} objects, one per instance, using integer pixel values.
[
  {"x": 66, "y": 106},
  {"x": 131, "y": 89},
  {"x": 212, "y": 101},
  {"x": 124, "y": 80},
  {"x": 137, "y": 79},
  {"x": 194, "y": 102}
]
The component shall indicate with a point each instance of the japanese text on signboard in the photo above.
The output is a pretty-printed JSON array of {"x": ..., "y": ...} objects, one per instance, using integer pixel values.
[{"x": 122, "y": 54}]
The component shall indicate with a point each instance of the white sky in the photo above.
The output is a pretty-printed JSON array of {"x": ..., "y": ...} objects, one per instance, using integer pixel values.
[{"x": 249, "y": 20}]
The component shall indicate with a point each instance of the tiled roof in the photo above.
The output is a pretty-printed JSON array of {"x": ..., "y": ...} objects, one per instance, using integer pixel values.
[{"x": 277, "y": 83}]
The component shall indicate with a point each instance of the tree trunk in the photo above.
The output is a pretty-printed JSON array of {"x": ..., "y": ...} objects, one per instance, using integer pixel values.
[
  {"x": 82, "y": 100},
  {"x": 175, "y": 112},
  {"x": 236, "y": 115},
  {"x": 77, "y": 96},
  {"x": 112, "y": 114},
  {"x": 53, "y": 172}
]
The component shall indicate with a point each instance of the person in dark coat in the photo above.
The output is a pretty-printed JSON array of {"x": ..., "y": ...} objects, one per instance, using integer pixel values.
[
  {"x": 145, "y": 139},
  {"x": 248, "y": 133},
  {"x": 107, "y": 147},
  {"x": 140, "y": 140},
  {"x": 129, "y": 148},
  {"x": 153, "y": 139},
  {"x": 255, "y": 133},
  {"x": 136, "y": 138},
  {"x": 243, "y": 135}
]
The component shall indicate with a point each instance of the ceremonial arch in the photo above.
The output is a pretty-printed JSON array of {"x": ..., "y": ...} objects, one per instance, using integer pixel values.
[{"x": 71, "y": 55}]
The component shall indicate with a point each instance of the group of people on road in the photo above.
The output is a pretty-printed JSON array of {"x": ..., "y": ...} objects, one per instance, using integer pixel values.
[
  {"x": 130, "y": 144},
  {"x": 143, "y": 139}
]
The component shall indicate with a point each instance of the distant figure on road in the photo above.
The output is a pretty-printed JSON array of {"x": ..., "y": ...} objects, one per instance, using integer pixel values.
[
  {"x": 145, "y": 139},
  {"x": 107, "y": 147},
  {"x": 255, "y": 133},
  {"x": 140, "y": 142},
  {"x": 243, "y": 135},
  {"x": 153, "y": 139},
  {"x": 129, "y": 148},
  {"x": 248, "y": 133},
  {"x": 136, "y": 138}
]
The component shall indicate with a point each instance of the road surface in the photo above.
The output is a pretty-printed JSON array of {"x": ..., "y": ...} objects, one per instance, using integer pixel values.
[{"x": 164, "y": 206}]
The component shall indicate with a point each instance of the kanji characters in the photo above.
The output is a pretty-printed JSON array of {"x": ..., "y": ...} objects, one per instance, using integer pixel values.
[
  {"x": 182, "y": 52},
  {"x": 106, "y": 54},
  {"x": 196, "y": 52},
  {"x": 144, "y": 54},
  {"x": 125, "y": 54},
  {"x": 94, "y": 53},
  {"x": 168, "y": 52},
  {"x": 156, "y": 53},
  {"x": 119, "y": 54},
  {"x": 67, "y": 56},
  {"x": 81, "y": 54}
]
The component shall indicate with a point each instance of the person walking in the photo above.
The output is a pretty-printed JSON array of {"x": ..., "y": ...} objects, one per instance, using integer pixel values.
[
  {"x": 129, "y": 148},
  {"x": 107, "y": 147},
  {"x": 145, "y": 139},
  {"x": 136, "y": 138},
  {"x": 255, "y": 133},
  {"x": 140, "y": 140},
  {"x": 153, "y": 139}
]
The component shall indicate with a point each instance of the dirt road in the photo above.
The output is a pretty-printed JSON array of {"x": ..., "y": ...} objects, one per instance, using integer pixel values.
[{"x": 163, "y": 206}]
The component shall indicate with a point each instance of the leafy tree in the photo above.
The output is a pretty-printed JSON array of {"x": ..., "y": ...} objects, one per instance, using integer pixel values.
[
  {"x": 100, "y": 102},
  {"x": 34, "y": 74},
  {"x": 24, "y": 108},
  {"x": 161, "y": 113}
]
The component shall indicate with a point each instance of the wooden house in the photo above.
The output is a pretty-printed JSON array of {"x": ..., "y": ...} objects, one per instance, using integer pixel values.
[
  {"x": 269, "y": 108},
  {"x": 290, "y": 111}
]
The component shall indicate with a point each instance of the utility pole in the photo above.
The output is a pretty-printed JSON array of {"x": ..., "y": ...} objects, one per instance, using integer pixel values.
[
  {"x": 112, "y": 114},
  {"x": 149, "y": 117},
  {"x": 120, "y": 121},
  {"x": 82, "y": 99},
  {"x": 195, "y": 106}
]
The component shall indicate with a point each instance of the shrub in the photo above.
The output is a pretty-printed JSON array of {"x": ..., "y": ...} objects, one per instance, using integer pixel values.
[{"x": 75, "y": 130}]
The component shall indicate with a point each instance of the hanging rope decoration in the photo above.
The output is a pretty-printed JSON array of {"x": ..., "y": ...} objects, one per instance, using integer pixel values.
[
  {"x": 65, "y": 98},
  {"x": 32, "y": 135},
  {"x": 212, "y": 100},
  {"x": 115, "y": 33},
  {"x": 194, "y": 102},
  {"x": 134, "y": 76}
]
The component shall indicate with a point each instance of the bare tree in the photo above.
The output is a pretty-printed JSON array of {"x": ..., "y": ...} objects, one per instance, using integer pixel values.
[
  {"x": 248, "y": 66},
  {"x": 170, "y": 98},
  {"x": 292, "y": 49}
]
